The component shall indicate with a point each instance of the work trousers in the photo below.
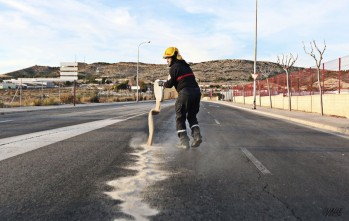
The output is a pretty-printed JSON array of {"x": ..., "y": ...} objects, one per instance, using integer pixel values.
[{"x": 187, "y": 106}]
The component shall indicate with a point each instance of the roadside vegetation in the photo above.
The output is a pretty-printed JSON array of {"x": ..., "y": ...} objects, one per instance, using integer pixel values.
[{"x": 102, "y": 93}]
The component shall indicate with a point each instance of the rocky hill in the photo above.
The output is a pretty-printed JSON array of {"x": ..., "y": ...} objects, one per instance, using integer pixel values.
[
  {"x": 210, "y": 71},
  {"x": 34, "y": 72}
]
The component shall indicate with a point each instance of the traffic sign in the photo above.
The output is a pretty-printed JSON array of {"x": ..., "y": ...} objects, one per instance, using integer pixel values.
[
  {"x": 69, "y": 71},
  {"x": 254, "y": 76}
]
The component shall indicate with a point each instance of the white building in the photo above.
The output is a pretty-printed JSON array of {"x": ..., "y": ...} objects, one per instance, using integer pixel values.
[{"x": 7, "y": 85}]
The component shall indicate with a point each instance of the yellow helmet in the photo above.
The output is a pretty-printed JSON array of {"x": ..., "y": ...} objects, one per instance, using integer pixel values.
[{"x": 171, "y": 51}]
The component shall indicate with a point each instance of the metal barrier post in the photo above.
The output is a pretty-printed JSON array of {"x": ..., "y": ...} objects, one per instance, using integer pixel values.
[
  {"x": 323, "y": 78},
  {"x": 339, "y": 75}
]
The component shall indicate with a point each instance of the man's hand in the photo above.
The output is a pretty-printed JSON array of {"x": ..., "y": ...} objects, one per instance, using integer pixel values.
[{"x": 161, "y": 83}]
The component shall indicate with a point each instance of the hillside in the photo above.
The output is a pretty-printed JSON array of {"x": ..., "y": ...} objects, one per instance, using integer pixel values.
[
  {"x": 35, "y": 72},
  {"x": 210, "y": 71}
]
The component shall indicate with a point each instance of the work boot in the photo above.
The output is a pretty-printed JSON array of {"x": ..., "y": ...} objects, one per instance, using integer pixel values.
[
  {"x": 183, "y": 140},
  {"x": 197, "y": 138}
]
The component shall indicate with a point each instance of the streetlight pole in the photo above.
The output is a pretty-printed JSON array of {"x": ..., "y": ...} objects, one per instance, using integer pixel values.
[
  {"x": 255, "y": 63},
  {"x": 137, "y": 67}
]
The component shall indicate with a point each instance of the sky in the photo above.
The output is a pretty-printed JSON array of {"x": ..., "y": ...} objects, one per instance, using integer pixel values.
[{"x": 47, "y": 32}]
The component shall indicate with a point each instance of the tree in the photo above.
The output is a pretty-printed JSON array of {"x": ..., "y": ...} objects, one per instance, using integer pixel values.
[
  {"x": 318, "y": 64},
  {"x": 142, "y": 86},
  {"x": 286, "y": 63},
  {"x": 122, "y": 86}
]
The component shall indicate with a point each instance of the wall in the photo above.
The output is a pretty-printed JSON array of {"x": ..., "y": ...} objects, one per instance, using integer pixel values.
[
  {"x": 170, "y": 93},
  {"x": 333, "y": 104},
  {"x": 214, "y": 98}
]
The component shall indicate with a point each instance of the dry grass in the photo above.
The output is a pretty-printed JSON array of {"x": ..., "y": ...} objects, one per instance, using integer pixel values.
[{"x": 55, "y": 96}]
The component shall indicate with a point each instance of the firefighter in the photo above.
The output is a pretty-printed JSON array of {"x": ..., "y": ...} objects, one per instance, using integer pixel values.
[{"x": 188, "y": 101}]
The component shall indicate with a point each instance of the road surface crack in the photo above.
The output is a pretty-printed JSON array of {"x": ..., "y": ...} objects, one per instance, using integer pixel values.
[{"x": 265, "y": 189}]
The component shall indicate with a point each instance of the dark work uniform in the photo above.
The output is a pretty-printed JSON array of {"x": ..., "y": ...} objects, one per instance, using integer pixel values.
[{"x": 189, "y": 95}]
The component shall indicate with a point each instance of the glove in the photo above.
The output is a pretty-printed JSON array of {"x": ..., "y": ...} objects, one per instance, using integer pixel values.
[{"x": 161, "y": 83}]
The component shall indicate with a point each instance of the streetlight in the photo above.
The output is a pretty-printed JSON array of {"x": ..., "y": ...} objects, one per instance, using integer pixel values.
[
  {"x": 137, "y": 66},
  {"x": 254, "y": 75}
]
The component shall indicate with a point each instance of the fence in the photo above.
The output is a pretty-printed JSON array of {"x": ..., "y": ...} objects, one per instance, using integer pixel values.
[
  {"x": 334, "y": 79},
  {"x": 55, "y": 96}
]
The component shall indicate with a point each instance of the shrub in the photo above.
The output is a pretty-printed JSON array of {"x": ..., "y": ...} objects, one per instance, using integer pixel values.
[
  {"x": 94, "y": 98},
  {"x": 38, "y": 102},
  {"x": 51, "y": 101},
  {"x": 67, "y": 98}
]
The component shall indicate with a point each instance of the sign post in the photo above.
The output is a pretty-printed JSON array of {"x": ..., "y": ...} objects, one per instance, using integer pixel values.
[
  {"x": 74, "y": 92},
  {"x": 69, "y": 72}
]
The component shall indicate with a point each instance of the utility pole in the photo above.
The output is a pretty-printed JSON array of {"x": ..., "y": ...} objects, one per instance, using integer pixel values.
[
  {"x": 255, "y": 75},
  {"x": 137, "y": 97}
]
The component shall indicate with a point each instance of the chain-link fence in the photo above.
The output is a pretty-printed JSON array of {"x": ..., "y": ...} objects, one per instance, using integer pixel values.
[
  {"x": 334, "y": 78},
  {"x": 65, "y": 95}
]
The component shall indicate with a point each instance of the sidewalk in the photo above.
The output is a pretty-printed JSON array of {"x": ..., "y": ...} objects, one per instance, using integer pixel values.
[{"x": 333, "y": 124}]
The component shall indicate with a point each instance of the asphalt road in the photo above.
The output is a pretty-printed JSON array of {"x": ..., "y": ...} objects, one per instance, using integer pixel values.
[
  {"x": 249, "y": 167},
  {"x": 25, "y": 122}
]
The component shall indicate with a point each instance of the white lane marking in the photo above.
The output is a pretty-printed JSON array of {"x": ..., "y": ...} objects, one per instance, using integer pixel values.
[
  {"x": 217, "y": 122},
  {"x": 13, "y": 146},
  {"x": 4, "y": 121},
  {"x": 100, "y": 111},
  {"x": 256, "y": 162}
]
